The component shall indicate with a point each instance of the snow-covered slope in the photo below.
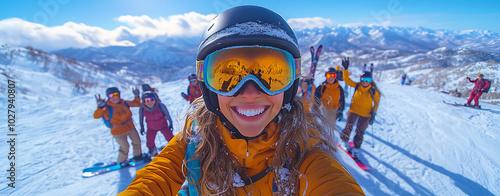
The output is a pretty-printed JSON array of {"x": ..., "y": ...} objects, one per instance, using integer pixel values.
[{"x": 421, "y": 146}]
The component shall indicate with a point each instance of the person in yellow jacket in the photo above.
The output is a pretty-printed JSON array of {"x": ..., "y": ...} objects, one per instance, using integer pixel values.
[
  {"x": 121, "y": 121},
  {"x": 252, "y": 137},
  {"x": 364, "y": 106},
  {"x": 331, "y": 94}
]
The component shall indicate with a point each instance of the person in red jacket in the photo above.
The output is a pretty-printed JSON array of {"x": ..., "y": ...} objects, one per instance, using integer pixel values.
[
  {"x": 193, "y": 90},
  {"x": 157, "y": 115},
  {"x": 121, "y": 123},
  {"x": 480, "y": 86}
]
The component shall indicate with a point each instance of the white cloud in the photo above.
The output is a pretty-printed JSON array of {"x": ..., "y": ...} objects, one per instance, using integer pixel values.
[
  {"x": 189, "y": 24},
  {"x": 309, "y": 23},
  {"x": 18, "y": 32}
]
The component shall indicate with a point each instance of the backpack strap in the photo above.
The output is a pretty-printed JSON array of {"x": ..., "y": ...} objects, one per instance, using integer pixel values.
[
  {"x": 323, "y": 88},
  {"x": 108, "y": 121},
  {"x": 193, "y": 168}
]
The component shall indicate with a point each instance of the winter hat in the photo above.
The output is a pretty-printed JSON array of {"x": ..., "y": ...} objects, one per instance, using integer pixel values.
[
  {"x": 146, "y": 87},
  {"x": 331, "y": 70},
  {"x": 480, "y": 75},
  {"x": 192, "y": 76},
  {"x": 337, "y": 68},
  {"x": 366, "y": 74},
  {"x": 112, "y": 90}
]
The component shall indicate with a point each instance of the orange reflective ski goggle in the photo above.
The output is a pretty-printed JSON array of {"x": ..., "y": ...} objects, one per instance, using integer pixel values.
[
  {"x": 111, "y": 95},
  {"x": 330, "y": 75},
  {"x": 225, "y": 71}
]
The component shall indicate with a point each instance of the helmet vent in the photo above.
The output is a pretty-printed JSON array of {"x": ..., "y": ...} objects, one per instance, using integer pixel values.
[{"x": 210, "y": 27}]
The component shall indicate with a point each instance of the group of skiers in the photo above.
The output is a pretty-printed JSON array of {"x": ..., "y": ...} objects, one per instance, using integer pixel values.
[
  {"x": 330, "y": 96},
  {"x": 253, "y": 137},
  {"x": 116, "y": 114}
]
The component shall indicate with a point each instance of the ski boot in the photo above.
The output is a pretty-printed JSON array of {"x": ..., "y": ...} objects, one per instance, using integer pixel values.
[
  {"x": 355, "y": 153},
  {"x": 124, "y": 164},
  {"x": 153, "y": 151},
  {"x": 346, "y": 146}
]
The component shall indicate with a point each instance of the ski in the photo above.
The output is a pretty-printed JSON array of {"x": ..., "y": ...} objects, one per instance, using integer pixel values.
[
  {"x": 314, "y": 60},
  {"x": 356, "y": 160},
  {"x": 457, "y": 104},
  {"x": 100, "y": 168}
]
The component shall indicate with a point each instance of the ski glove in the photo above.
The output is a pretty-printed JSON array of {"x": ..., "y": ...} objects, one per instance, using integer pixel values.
[
  {"x": 100, "y": 102},
  {"x": 142, "y": 131},
  {"x": 183, "y": 95},
  {"x": 345, "y": 62},
  {"x": 136, "y": 92},
  {"x": 372, "y": 118}
]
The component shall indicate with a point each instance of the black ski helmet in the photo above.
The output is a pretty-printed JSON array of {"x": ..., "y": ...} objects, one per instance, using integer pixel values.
[{"x": 243, "y": 26}]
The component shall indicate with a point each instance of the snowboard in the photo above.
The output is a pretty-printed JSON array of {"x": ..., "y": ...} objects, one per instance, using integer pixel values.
[
  {"x": 358, "y": 162},
  {"x": 101, "y": 168}
]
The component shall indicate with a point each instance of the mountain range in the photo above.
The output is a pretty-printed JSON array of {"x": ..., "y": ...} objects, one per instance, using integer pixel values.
[{"x": 417, "y": 51}]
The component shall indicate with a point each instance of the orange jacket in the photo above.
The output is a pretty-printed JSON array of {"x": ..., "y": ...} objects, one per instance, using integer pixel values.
[
  {"x": 122, "y": 116},
  {"x": 331, "y": 95},
  {"x": 362, "y": 103},
  {"x": 323, "y": 174}
]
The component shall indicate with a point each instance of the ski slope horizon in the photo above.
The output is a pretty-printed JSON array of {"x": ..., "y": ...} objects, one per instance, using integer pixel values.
[{"x": 421, "y": 146}]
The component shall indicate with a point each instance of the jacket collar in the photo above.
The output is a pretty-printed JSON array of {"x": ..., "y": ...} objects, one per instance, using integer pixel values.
[{"x": 252, "y": 153}]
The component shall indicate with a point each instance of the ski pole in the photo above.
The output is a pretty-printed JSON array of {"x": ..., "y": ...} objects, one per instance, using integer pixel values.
[
  {"x": 373, "y": 145},
  {"x": 113, "y": 142}
]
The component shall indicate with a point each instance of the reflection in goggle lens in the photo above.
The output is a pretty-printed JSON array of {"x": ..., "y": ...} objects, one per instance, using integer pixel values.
[
  {"x": 225, "y": 71},
  {"x": 111, "y": 95},
  {"x": 330, "y": 75},
  {"x": 366, "y": 79}
]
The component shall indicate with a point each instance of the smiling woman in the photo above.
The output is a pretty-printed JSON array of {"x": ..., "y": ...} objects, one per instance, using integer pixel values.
[{"x": 249, "y": 135}]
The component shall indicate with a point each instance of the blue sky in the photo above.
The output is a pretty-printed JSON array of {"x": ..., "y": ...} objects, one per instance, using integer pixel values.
[
  {"x": 55, "y": 24},
  {"x": 448, "y": 14}
]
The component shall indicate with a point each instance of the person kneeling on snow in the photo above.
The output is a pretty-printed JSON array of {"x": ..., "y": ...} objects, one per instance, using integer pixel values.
[
  {"x": 157, "y": 115},
  {"x": 364, "y": 106},
  {"x": 118, "y": 117},
  {"x": 480, "y": 86}
]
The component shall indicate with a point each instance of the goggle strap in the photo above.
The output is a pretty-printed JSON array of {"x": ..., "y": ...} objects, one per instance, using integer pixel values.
[
  {"x": 298, "y": 72},
  {"x": 199, "y": 69}
]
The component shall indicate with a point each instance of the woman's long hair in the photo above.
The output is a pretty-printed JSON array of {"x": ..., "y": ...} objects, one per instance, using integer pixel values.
[
  {"x": 300, "y": 123},
  {"x": 376, "y": 87}
]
